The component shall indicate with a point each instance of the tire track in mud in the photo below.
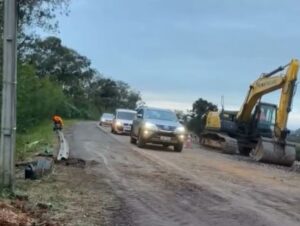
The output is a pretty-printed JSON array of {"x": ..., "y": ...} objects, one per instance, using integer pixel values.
[
  {"x": 182, "y": 197},
  {"x": 169, "y": 213},
  {"x": 153, "y": 191},
  {"x": 256, "y": 202}
]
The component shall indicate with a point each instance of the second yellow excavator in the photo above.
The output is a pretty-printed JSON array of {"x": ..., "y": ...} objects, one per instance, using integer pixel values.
[{"x": 258, "y": 129}]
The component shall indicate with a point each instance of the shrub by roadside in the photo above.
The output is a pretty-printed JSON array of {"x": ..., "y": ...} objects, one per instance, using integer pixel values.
[{"x": 37, "y": 139}]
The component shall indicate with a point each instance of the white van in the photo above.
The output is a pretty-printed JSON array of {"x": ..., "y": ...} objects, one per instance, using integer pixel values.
[{"x": 122, "y": 122}]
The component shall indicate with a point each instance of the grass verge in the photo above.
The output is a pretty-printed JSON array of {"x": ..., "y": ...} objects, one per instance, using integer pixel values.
[{"x": 36, "y": 139}]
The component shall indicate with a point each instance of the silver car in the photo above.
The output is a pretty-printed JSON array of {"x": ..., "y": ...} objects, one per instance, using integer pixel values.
[
  {"x": 106, "y": 119},
  {"x": 157, "y": 126}
]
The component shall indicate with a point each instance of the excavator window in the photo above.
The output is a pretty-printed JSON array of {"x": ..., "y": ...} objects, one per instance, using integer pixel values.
[
  {"x": 267, "y": 114},
  {"x": 266, "y": 119},
  {"x": 226, "y": 115}
]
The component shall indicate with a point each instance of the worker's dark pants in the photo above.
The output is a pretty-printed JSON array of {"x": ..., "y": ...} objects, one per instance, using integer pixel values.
[{"x": 57, "y": 126}]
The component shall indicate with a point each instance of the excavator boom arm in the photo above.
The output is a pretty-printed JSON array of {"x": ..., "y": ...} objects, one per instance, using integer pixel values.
[
  {"x": 257, "y": 89},
  {"x": 268, "y": 83},
  {"x": 286, "y": 98}
]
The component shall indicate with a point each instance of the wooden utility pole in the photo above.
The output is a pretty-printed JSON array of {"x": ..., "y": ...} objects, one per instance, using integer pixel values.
[{"x": 8, "y": 120}]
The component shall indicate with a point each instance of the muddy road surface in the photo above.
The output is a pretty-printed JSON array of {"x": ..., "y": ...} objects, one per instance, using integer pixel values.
[{"x": 156, "y": 186}]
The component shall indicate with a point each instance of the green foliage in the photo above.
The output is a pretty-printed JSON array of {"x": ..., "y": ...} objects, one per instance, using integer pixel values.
[
  {"x": 61, "y": 64},
  {"x": 200, "y": 107},
  {"x": 298, "y": 152},
  {"x": 53, "y": 78},
  {"x": 89, "y": 92},
  {"x": 37, "y": 98},
  {"x": 41, "y": 13},
  {"x": 67, "y": 84},
  {"x": 294, "y": 137},
  {"x": 32, "y": 14},
  {"x": 37, "y": 138},
  {"x": 108, "y": 95},
  {"x": 34, "y": 139}
]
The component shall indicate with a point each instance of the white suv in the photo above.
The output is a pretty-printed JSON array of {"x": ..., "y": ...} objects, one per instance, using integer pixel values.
[{"x": 122, "y": 122}]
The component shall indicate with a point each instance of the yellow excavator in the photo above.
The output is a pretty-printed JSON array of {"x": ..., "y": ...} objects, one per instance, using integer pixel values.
[{"x": 258, "y": 129}]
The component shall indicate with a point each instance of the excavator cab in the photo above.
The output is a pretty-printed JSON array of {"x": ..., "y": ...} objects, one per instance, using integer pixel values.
[
  {"x": 264, "y": 119},
  {"x": 268, "y": 148}
]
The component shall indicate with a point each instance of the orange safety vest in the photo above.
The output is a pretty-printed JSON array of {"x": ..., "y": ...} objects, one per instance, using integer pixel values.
[{"x": 57, "y": 119}]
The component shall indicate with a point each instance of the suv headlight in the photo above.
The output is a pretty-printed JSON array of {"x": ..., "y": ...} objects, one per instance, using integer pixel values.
[
  {"x": 118, "y": 123},
  {"x": 150, "y": 126},
  {"x": 180, "y": 130}
]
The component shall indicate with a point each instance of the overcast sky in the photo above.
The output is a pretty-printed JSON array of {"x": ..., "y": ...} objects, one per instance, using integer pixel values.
[{"x": 176, "y": 51}]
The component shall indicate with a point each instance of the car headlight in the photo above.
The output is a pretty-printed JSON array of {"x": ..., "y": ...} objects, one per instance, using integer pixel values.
[
  {"x": 118, "y": 123},
  {"x": 150, "y": 126},
  {"x": 181, "y": 137},
  {"x": 180, "y": 130}
]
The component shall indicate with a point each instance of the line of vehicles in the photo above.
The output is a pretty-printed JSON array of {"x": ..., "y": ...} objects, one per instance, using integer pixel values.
[
  {"x": 147, "y": 125},
  {"x": 258, "y": 129}
]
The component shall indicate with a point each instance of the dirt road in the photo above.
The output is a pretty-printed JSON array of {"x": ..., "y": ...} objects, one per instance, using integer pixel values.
[{"x": 156, "y": 186}]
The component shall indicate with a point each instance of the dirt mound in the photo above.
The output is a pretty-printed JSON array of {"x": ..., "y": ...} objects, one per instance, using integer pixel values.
[
  {"x": 79, "y": 163},
  {"x": 11, "y": 216}
]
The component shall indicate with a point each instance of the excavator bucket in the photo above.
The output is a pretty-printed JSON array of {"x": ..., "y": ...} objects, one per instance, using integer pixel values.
[{"x": 270, "y": 151}]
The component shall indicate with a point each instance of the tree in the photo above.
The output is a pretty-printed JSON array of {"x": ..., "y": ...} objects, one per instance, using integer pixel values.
[
  {"x": 35, "y": 14},
  {"x": 53, "y": 77},
  {"x": 200, "y": 107},
  {"x": 294, "y": 136},
  {"x": 133, "y": 98},
  {"x": 38, "y": 99},
  {"x": 109, "y": 94},
  {"x": 83, "y": 85},
  {"x": 41, "y": 13},
  {"x": 61, "y": 64}
]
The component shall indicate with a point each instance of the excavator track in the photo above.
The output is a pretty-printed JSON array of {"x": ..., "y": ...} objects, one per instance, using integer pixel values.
[
  {"x": 219, "y": 141},
  {"x": 269, "y": 151}
]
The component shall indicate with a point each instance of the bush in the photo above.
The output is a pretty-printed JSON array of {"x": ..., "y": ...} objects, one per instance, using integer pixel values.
[{"x": 38, "y": 99}]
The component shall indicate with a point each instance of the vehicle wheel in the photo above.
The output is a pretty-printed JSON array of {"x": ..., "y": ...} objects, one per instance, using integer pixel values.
[
  {"x": 178, "y": 147},
  {"x": 140, "y": 141},
  {"x": 112, "y": 130},
  {"x": 244, "y": 151},
  {"x": 132, "y": 140},
  {"x": 100, "y": 123}
]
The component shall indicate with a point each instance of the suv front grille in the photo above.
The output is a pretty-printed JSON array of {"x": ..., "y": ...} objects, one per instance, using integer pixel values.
[
  {"x": 166, "y": 128},
  {"x": 159, "y": 134}
]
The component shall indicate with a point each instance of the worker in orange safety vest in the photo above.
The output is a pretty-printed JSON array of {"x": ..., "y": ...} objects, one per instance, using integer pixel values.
[{"x": 58, "y": 122}]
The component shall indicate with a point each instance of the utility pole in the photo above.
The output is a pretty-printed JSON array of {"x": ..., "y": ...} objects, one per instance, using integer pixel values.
[{"x": 8, "y": 120}]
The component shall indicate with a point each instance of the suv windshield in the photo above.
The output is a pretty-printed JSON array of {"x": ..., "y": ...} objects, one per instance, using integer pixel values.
[
  {"x": 108, "y": 116},
  {"x": 125, "y": 115},
  {"x": 160, "y": 115}
]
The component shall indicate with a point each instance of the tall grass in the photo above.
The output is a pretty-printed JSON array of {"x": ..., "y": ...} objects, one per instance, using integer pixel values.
[{"x": 37, "y": 139}]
